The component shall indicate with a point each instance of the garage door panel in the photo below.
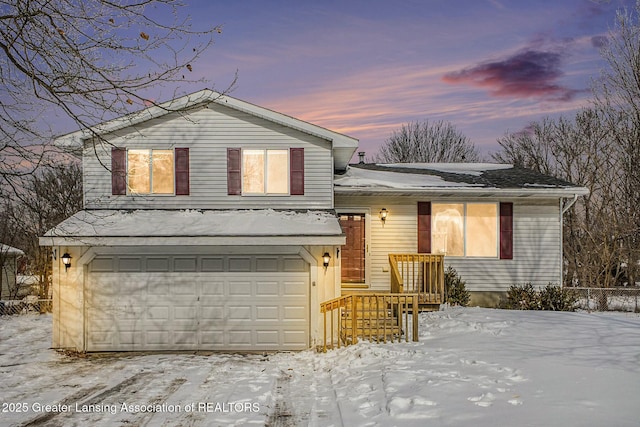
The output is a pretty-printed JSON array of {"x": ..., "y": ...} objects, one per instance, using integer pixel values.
[
  {"x": 271, "y": 288},
  {"x": 239, "y": 288},
  {"x": 295, "y": 313},
  {"x": 184, "y": 288},
  {"x": 239, "y": 312},
  {"x": 292, "y": 338},
  {"x": 158, "y": 312},
  {"x": 159, "y": 289},
  {"x": 212, "y": 289},
  {"x": 212, "y": 339},
  {"x": 188, "y": 338},
  {"x": 294, "y": 289},
  {"x": 267, "y": 337},
  {"x": 211, "y": 313},
  {"x": 240, "y": 338},
  {"x": 185, "y": 312},
  {"x": 268, "y": 312},
  {"x": 197, "y": 310}
]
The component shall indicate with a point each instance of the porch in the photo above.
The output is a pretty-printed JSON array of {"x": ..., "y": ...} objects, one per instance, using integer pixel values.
[{"x": 416, "y": 284}]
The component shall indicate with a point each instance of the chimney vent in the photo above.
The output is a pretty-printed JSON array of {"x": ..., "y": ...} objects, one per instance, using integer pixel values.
[{"x": 361, "y": 156}]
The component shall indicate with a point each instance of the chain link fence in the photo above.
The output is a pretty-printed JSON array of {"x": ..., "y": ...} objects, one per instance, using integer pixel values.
[
  {"x": 30, "y": 304},
  {"x": 609, "y": 299}
]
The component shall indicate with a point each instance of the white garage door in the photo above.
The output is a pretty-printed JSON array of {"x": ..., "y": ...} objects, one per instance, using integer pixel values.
[{"x": 130, "y": 306}]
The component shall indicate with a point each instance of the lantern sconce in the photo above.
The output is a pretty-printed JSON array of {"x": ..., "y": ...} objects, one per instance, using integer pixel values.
[
  {"x": 325, "y": 260},
  {"x": 66, "y": 260},
  {"x": 383, "y": 215}
]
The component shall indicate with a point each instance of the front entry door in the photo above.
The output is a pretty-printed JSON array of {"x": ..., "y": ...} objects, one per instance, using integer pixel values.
[{"x": 353, "y": 252}]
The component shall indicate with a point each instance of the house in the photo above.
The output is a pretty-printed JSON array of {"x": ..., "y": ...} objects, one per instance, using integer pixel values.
[
  {"x": 210, "y": 223},
  {"x": 9, "y": 271}
]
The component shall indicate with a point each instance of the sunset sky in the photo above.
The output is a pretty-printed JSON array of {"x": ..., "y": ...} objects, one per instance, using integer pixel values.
[{"x": 366, "y": 67}]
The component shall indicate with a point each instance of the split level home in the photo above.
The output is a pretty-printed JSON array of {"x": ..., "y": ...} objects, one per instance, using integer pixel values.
[{"x": 210, "y": 223}]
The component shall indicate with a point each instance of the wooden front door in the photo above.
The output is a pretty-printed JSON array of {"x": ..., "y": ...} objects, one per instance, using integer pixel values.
[{"x": 353, "y": 252}]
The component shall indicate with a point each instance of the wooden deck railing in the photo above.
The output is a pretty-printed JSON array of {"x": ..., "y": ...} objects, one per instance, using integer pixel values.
[
  {"x": 370, "y": 316},
  {"x": 418, "y": 273}
]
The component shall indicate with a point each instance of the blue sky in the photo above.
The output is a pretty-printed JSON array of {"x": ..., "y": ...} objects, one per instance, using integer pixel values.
[{"x": 366, "y": 67}]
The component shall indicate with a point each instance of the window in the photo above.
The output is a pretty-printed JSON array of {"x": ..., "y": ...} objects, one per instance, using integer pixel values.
[
  {"x": 265, "y": 171},
  {"x": 147, "y": 171},
  {"x": 150, "y": 171},
  {"x": 465, "y": 229}
]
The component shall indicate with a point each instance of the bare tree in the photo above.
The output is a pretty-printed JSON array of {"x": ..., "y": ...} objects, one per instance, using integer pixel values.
[
  {"x": 84, "y": 62},
  {"x": 429, "y": 143},
  {"x": 580, "y": 151},
  {"x": 617, "y": 93},
  {"x": 46, "y": 198}
]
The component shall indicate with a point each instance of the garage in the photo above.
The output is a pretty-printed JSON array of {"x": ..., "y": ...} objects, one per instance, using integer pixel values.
[{"x": 157, "y": 302}]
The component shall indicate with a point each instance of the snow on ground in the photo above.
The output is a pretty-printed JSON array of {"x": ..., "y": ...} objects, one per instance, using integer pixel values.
[{"x": 472, "y": 366}]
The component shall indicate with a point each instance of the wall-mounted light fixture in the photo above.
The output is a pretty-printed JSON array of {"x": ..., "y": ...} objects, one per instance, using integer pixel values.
[
  {"x": 66, "y": 260},
  {"x": 383, "y": 214},
  {"x": 325, "y": 259}
]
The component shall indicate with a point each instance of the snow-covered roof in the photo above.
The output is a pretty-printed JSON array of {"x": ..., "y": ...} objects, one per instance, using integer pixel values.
[
  {"x": 343, "y": 146},
  {"x": 469, "y": 179},
  {"x": 195, "y": 227},
  {"x": 10, "y": 250}
]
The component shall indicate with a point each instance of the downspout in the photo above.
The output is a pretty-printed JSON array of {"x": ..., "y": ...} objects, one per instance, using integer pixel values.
[
  {"x": 571, "y": 203},
  {"x": 563, "y": 209}
]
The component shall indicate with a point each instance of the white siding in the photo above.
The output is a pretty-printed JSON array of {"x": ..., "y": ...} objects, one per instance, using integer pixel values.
[
  {"x": 208, "y": 132},
  {"x": 536, "y": 242}
]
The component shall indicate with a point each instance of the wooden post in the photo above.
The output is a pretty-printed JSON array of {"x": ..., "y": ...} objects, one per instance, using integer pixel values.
[
  {"x": 415, "y": 318},
  {"x": 325, "y": 330},
  {"x": 354, "y": 320}
]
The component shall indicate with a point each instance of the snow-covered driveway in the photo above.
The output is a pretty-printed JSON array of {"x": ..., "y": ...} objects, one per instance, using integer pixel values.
[{"x": 472, "y": 366}]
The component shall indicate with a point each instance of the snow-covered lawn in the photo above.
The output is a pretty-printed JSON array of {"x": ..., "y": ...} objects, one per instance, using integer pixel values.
[{"x": 472, "y": 367}]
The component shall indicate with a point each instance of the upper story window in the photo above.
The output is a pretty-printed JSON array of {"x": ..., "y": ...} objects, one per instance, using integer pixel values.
[
  {"x": 265, "y": 171},
  {"x": 149, "y": 171}
]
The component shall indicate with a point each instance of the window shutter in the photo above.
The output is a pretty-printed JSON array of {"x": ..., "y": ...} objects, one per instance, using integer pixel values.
[
  {"x": 234, "y": 171},
  {"x": 296, "y": 171},
  {"x": 118, "y": 171},
  {"x": 506, "y": 230},
  {"x": 182, "y": 171},
  {"x": 424, "y": 227}
]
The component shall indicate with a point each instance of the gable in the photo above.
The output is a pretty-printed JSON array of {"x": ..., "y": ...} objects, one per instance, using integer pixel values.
[
  {"x": 343, "y": 146},
  {"x": 205, "y": 134}
]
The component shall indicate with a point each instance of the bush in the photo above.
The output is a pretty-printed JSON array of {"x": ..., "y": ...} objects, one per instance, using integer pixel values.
[
  {"x": 558, "y": 299},
  {"x": 522, "y": 297},
  {"x": 457, "y": 293},
  {"x": 552, "y": 297}
]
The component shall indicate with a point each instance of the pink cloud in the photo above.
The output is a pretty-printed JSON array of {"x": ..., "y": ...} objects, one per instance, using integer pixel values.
[{"x": 527, "y": 74}]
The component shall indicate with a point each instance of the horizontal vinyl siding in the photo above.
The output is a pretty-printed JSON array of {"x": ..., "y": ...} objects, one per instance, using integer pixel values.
[
  {"x": 208, "y": 132},
  {"x": 536, "y": 242},
  {"x": 536, "y": 252}
]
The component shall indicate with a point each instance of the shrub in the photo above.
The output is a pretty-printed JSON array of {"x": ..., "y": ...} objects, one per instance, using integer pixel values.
[
  {"x": 555, "y": 298},
  {"x": 457, "y": 293},
  {"x": 551, "y": 297},
  {"x": 522, "y": 297}
]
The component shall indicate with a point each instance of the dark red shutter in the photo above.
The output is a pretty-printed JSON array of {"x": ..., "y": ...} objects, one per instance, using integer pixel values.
[
  {"x": 234, "y": 171},
  {"x": 182, "y": 171},
  {"x": 118, "y": 171},
  {"x": 506, "y": 230},
  {"x": 296, "y": 171},
  {"x": 424, "y": 227}
]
